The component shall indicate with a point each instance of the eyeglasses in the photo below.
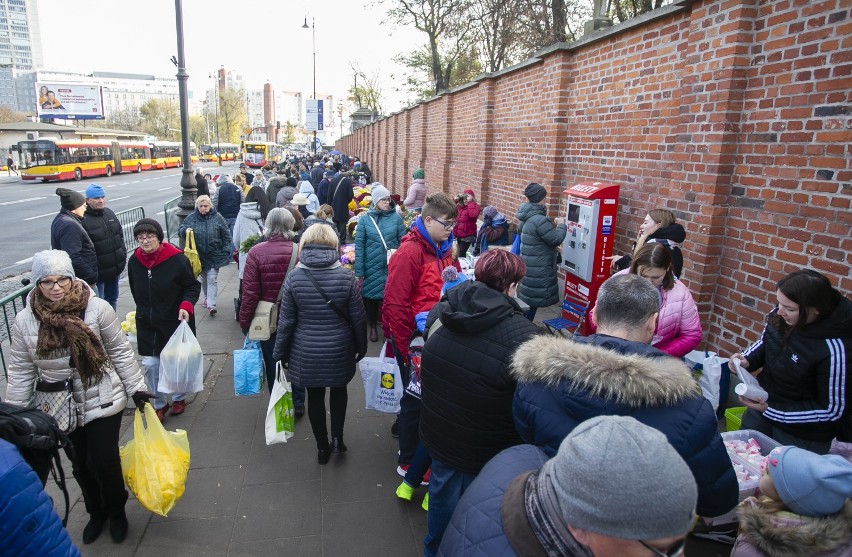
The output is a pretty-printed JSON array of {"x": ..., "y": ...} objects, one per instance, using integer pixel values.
[
  {"x": 446, "y": 225},
  {"x": 673, "y": 552},
  {"x": 145, "y": 237},
  {"x": 49, "y": 284}
]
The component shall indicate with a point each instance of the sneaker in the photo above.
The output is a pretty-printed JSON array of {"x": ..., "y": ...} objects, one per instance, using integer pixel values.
[
  {"x": 178, "y": 407},
  {"x": 402, "y": 469},
  {"x": 425, "y": 504},
  {"x": 299, "y": 411},
  {"x": 161, "y": 413},
  {"x": 212, "y": 310},
  {"x": 405, "y": 491},
  {"x": 426, "y": 477}
]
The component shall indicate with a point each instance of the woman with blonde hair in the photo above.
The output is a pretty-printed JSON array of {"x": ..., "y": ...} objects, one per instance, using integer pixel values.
[
  {"x": 659, "y": 226},
  {"x": 324, "y": 215},
  {"x": 240, "y": 181},
  {"x": 322, "y": 333},
  {"x": 213, "y": 241}
]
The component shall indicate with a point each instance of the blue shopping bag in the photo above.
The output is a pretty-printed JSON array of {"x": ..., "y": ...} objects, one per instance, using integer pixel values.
[
  {"x": 516, "y": 244},
  {"x": 248, "y": 369}
]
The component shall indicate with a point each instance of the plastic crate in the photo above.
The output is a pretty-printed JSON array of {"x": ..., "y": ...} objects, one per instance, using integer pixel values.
[{"x": 734, "y": 418}]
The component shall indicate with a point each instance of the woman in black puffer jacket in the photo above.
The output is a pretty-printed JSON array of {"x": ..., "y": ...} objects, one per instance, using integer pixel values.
[{"x": 319, "y": 345}]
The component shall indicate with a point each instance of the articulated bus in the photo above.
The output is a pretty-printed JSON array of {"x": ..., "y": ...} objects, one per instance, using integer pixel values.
[
  {"x": 166, "y": 154},
  {"x": 259, "y": 154},
  {"x": 230, "y": 152},
  {"x": 55, "y": 159}
]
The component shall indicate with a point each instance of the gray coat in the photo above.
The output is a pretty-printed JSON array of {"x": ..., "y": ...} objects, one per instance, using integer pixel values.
[
  {"x": 319, "y": 347},
  {"x": 539, "y": 240}
]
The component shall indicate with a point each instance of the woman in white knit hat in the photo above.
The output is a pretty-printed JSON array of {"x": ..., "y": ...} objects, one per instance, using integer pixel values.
[{"x": 67, "y": 334}]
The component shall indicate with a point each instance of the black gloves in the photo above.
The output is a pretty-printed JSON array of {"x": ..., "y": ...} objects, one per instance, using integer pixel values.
[{"x": 140, "y": 398}]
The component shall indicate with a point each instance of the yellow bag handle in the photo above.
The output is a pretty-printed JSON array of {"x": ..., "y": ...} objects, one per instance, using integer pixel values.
[{"x": 190, "y": 240}]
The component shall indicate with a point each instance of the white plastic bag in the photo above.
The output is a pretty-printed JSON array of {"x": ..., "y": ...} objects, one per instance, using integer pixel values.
[
  {"x": 181, "y": 363},
  {"x": 710, "y": 366},
  {"x": 279, "y": 424},
  {"x": 749, "y": 388},
  {"x": 382, "y": 382}
]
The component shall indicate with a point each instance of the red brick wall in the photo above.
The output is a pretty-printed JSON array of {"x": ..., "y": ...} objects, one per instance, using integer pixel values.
[{"x": 736, "y": 115}]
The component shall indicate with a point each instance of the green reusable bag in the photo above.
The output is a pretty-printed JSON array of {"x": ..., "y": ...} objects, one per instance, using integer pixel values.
[{"x": 280, "y": 414}]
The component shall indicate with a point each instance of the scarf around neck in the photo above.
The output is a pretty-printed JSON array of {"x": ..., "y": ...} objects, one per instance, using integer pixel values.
[
  {"x": 440, "y": 251},
  {"x": 62, "y": 328},
  {"x": 546, "y": 519}
]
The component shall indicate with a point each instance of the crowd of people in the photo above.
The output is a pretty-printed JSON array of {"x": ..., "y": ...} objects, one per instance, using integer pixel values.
[{"x": 528, "y": 443}]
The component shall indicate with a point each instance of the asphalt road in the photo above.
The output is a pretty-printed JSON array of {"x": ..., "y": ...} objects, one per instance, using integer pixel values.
[{"x": 28, "y": 208}]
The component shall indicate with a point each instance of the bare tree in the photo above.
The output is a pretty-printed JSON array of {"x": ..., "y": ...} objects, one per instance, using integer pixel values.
[
  {"x": 497, "y": 30},
  {"x": 622, "y": 10},
  {"x": 232, "y": 114},
  {"x": 127, "y": 118},
  {"x": 160, "y": 117},
  {"x": 8, "y": 115},
  {"x": 447, "y": 28},
  {"x": 365, "y": 91}
]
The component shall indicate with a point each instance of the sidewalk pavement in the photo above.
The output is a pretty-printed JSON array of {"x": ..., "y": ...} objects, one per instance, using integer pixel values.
[{"x": 244, "y": 498}]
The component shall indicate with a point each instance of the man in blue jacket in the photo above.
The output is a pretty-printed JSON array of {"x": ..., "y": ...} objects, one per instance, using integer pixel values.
[
  {"x": 562, "y": 383},
  {"x": 615, "y": 488},
  {"x": 227, "y": 201}
]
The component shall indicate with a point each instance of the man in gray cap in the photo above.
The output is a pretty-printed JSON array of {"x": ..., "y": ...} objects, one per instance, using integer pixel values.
[
  {"x": 615, "y": 488},
  {"x": 67, "y": 234},
  {"x": 108, "y": 238}
]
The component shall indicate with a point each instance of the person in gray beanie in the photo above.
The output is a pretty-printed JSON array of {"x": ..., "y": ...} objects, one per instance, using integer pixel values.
[
  {"x": 67, "y": 335},
  {"x": 67, "y": 234},
  {"x": 615, "y": 487}
]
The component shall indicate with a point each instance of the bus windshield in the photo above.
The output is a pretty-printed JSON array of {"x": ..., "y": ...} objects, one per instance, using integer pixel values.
[
  {"x": 255, "y": 148},
  {"x": 39, "y": 153}
]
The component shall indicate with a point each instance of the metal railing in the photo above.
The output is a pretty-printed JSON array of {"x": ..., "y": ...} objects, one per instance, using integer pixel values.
[
  {"x": 172, "y": 221},
  {"x": 11, "y": 304}
]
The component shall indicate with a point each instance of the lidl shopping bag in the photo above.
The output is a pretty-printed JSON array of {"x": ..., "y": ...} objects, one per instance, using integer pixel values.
[
  {"x": 280, "y": 413},
  {"x": 382, "y": 382},
  {"x": 248, "y": 369},
  {"x": 181, "y": 363},
  {"x": 708, "y": 365},
  {"x": 155, "y": 462}
]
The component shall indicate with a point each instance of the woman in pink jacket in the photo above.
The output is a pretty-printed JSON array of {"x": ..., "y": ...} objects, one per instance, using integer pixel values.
[
  {"x": 465, "y": 228},
  {"x": 678, "y": 326}
]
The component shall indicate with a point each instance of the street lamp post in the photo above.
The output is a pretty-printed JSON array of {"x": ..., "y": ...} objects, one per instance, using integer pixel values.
[
  {"x": 188, "y": 186},
  {"x": 216, "y": 99},
  {"x": 313, "y": 28}
]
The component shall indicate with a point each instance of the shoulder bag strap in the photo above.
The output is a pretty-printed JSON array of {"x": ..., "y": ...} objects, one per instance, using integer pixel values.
[
  {"x": 294, "y": 255},
  {"x": 325, "y": 297},
  {"x": 382, "y": 238}
]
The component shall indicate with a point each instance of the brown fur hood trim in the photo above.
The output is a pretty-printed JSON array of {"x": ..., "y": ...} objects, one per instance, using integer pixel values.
[
  {"x": 628, "y": 378},
  {"x": 789, "y": 535}
]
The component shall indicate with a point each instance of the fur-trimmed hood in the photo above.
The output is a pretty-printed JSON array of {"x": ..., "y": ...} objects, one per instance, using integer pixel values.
[
  {"x": 784, "y": 534},
  {"x": 629, "y": 379}
]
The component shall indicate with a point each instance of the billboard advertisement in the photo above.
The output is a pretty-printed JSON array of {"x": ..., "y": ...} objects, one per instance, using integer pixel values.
[{"x": 78, "y": 101}]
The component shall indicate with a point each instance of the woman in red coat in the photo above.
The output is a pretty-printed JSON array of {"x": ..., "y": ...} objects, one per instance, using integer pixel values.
[{"x": 465, "y": 228}]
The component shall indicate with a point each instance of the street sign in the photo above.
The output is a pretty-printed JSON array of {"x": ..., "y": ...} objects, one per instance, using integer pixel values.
[{"x": 314, "y": 117}]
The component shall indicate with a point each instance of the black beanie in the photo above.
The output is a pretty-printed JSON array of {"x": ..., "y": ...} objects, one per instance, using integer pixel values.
[
  {"x": 70, "y": 199},
  {"x": 145, "y": 225},
  {"x": 535, "y": 192}
]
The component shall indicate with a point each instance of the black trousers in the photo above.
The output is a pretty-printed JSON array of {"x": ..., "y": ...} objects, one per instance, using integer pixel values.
[
  {"x": 338, "y": 399},
  {"x": 97, "y": 466},
  {"x": 341, "y": 231},
  {"x": 372, "y": 308}
]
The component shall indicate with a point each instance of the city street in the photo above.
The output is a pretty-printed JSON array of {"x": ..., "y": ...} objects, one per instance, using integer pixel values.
[{"x": 27, "y": 208}]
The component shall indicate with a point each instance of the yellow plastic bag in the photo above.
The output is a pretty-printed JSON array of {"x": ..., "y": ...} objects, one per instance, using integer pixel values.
[
  {"x": 191, "y": 252},
  {"x": 155, "y": 463}
]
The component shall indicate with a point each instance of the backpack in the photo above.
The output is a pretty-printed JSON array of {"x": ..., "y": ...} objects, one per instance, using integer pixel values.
[{"x": 38, "y": 437}]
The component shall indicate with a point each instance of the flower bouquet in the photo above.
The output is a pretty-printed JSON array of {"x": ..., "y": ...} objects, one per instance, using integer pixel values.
[{"x": 347, "y": 256}]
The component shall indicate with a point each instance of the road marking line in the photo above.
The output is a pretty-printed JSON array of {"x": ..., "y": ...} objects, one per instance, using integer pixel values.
[
  {"x": 119, "y": 198},
  {"x": 161, "y": 213},
  {"x": 161, "y": 189},
  {"x": 22, "y": 261},
  {"x": 41, "y": 216},
  {"x": 113, "y": 185},
  {"x": 22, "y": 200}
]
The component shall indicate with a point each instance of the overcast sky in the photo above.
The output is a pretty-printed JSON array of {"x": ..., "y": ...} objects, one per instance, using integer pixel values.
[{"x": 261, "y": 39}]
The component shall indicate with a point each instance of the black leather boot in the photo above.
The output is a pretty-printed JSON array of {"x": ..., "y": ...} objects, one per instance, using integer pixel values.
[
  {"x": 94, "y": 528},
  {"x": 118, "y": 526},
  {"x": 323, "y": 452},
  {"x": 337, "y": 445}
]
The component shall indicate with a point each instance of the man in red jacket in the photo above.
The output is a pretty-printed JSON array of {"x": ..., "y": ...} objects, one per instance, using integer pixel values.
[{"x": 414, "y": 286}]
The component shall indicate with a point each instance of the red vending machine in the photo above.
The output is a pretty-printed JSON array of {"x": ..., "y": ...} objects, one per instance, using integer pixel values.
[{"x": 591, "y": 210}]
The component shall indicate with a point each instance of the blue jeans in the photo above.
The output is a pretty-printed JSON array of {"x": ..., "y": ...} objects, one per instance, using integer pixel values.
[
  {"x": 108, "y": 290},
  {"x": 266, "y": 348},
  {"x": 231, "y": 222},
  {"x": 445, "y": 489},
  {"x": 418, "y": 466},
  {"x": 151, "y": 366}
]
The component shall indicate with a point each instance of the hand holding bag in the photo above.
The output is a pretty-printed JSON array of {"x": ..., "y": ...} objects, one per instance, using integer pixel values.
[
  {"x": 181, "y": 363},
  {"x": 55, "y": 399},
  {"x": 248, "y": 369},
  {"x": 280, "y": 415},
  {"x": 191, "y": 252},
  {"x": 382, "y": 382}
]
